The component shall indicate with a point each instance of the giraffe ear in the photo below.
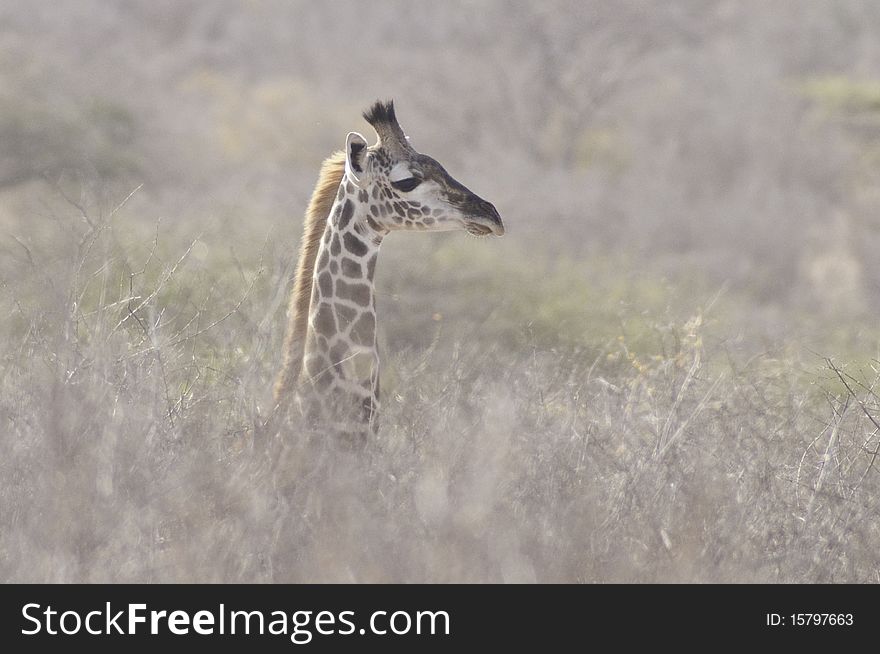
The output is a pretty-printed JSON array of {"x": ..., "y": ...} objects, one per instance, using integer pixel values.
[{"x": 355, "y": 148}]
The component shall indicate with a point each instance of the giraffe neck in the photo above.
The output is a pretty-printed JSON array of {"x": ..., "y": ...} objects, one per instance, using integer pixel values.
[{"x": 341, "y": 360}]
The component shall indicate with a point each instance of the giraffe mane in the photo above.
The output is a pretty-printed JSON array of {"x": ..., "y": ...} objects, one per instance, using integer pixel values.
[{"x": 315, "y": 222}]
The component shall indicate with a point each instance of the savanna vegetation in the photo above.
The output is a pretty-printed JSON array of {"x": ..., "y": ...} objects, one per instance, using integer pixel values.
[{"x": 667, "y": 370}]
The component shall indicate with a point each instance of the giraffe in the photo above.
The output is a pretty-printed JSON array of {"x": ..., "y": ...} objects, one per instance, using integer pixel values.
[{"x": 331, "y": 360}]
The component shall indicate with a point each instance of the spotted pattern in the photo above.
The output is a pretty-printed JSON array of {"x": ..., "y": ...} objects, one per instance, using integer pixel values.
[
  {"x": 341, "y": 362},
  {"x": 340, "y": 371}
]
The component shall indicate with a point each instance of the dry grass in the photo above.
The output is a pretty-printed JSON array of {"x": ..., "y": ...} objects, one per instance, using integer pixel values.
[
  {"x": 632, "y": 385},
  {"x": 134, "y": 450}
]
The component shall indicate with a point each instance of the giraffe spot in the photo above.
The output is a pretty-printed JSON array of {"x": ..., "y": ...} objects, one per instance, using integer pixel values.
[
  {"x": 428, "y": 220},
  {"x": 363, "y": 332},
  {"x": 313, "y": 365},
  {"x": 338, "y": 355},
  {"x": 375, "y": 192},
  {"x": 334, "y": 267},
  {"x": 324, "y": 322},
  {"x": 349, "y": 187},
  {"x": 323, "y": 260},
  {"x": 345, "y": 316},
  {"x": 318, "y": 369},
  {"x": 341, "y": 193},
  {"x": 398, "y": 208},
  {"x": 322, "y": 380},
  {"x": 363, "y": 196},
  {"x": 374, "y": 209},
  {"x": 371, "y": 267},
  {"x": 335, "y": 248},
  {"x": 325, "y": 282},
  {"x": 357, "y": 293},
  {"x": 345, "y": 216},
  {"x": 354, "y": 245},
  {"x": 373, "y": 224},
  {"x": 383, "y": 211},
  {"x": 351, "y": 269}
]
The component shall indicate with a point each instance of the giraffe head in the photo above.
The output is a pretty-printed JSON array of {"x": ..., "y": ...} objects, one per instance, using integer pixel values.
[{"x": 404, "y": 189}]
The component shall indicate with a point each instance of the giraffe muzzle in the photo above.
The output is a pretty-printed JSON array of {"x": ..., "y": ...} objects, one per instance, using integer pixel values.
[{"x": 485, "y": 220}]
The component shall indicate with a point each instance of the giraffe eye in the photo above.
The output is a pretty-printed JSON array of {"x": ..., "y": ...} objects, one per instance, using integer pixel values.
[{"x": 406, "y": 185}]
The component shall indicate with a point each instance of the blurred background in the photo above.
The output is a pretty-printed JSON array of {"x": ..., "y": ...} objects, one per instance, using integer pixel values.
[{"x": 664, "y": 371}]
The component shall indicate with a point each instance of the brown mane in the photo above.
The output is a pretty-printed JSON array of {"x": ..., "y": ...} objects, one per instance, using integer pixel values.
[{"x": 320, "y": 204}]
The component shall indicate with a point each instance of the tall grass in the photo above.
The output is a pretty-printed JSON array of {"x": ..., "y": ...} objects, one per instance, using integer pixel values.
[{"x": 135, "y": 379}]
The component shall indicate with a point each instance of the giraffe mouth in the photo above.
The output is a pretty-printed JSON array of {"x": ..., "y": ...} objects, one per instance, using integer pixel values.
[
  {"x": 478, "y": 230},
  {"x": 482, "y": 228}
]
